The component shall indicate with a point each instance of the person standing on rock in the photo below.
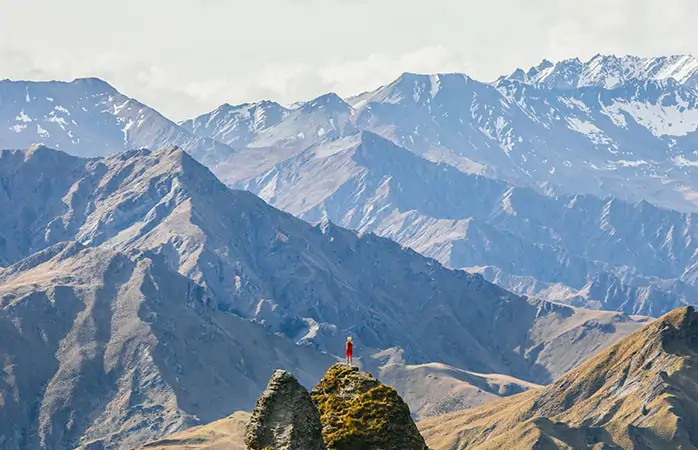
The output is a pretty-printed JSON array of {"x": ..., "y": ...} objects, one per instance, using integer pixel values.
[{"x": 349, "y": 352}]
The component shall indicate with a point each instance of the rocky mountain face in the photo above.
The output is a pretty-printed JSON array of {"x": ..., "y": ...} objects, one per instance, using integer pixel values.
[
  {"x": 640, "y": 393},
  {"x": 581, "y": 250},
  {"x": 349, "y": 409},
  {"x": 101, "y": 349}
]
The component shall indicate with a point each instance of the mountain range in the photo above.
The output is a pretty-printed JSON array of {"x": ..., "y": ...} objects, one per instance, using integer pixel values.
[
  {"x": 460, "y": 170},
  {"x": 138, "y": 287},
  {"x": 610, "y": 126},
  {"x": 609, "y": 71},
  {"x": 576, "y": 249},
  {"x": 458, "y": 230}
]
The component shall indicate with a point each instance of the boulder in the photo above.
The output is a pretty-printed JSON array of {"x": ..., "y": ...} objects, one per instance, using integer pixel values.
[{"x": 285, "y": 417}]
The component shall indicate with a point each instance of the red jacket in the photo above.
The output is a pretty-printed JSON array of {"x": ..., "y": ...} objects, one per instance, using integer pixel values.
[{"x": 350, "y": 348}]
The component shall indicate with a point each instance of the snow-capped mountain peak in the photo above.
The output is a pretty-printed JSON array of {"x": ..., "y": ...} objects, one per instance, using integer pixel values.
[
  {"x": 412, "y": 88},
  {"x": 609, "y": 71},
  {"x": 95, "y": 83},
  {"x": 89, "y": 117},
  {"x": 330, "y": 101},
  {"x": 236, "y": 124}
]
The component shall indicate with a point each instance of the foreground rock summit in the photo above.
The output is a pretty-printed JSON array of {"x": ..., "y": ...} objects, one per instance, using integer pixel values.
[
  {"x": 642, "y": 393},
  {"x": 347, "y": 410},
  {"x": 359, "y": 412},
  {"x": 285, "y": 417}
]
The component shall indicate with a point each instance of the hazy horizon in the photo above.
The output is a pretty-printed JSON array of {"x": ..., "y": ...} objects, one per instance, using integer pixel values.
[{"x": 188, "y": 57}]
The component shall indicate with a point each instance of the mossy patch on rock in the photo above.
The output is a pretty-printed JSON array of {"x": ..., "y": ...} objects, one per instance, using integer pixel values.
[{"x": 357, "y": 411}]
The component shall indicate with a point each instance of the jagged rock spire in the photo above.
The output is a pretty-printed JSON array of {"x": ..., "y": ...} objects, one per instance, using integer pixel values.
[{"x": 285, "y": 417}]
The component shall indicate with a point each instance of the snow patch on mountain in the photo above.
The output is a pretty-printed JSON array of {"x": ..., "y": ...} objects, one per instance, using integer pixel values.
[
  {"x": 596, "y": 135},
  {"x": 661, "y": 120},
  {"x": 683, "y": 162},
  {"x": 23, "y": 117}
]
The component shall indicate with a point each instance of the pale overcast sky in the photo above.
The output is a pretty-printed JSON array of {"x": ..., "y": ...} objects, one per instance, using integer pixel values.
[{"x": 185, "y": 57}]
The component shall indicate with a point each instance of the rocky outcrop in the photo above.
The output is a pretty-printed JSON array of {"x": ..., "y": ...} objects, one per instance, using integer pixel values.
[
  {"x": 358, "y": 412},
  {"x": 348, "y": 410},
  {"x": 285, "y": 417}
]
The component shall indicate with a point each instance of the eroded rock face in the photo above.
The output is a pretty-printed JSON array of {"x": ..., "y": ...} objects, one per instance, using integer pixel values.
[
  {"x": 359, "y": 412},
  {"x": 285, "y": 417}
]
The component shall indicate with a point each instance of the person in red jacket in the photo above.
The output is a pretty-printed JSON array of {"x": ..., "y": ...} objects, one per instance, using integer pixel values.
[{"x": 350, "y": 352}]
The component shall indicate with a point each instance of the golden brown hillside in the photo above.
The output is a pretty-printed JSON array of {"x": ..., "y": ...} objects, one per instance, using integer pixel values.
[
  {"x": 641, "y": 393},
  {"x": 224, "y": 434}
]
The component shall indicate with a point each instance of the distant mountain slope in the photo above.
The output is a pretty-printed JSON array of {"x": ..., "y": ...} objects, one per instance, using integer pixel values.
[
  {"x": 607, "y": 254},
  {"x": 609, "y": 126},
  {"x": 109, "y": 350},
  {"x": 640, "y": 393},
  {"x": 267, "y": 124},
  {"x": 313, "y": 284},
  {"x": 237, "y": 125},
  {"x": 88, "y": 117},
  {"x": 623, "y": 141}
]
